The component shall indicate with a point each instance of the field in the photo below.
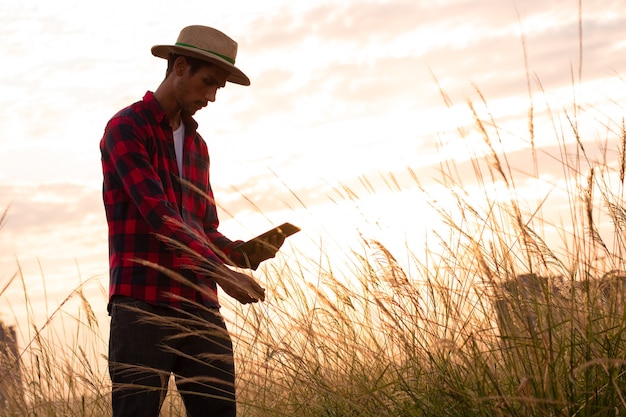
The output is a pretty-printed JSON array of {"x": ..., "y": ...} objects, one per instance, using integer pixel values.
[{"x": 495, "y": 319}]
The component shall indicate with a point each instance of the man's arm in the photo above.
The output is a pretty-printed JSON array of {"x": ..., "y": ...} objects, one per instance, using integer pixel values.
[{"x": 125, "y": 157}]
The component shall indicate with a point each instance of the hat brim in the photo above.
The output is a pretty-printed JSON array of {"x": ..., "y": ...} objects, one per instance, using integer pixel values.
[{"x": 236, "y": 75}]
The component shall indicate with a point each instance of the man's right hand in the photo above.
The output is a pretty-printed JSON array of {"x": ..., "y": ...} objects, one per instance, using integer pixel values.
[{"x": 241, "y": 287}]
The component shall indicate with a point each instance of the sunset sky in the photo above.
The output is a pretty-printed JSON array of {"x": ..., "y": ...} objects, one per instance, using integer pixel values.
[{"x": 341, "y": 91}]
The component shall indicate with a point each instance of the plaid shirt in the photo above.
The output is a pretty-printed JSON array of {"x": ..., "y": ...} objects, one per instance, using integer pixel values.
[{"x": 145, "y": 202}]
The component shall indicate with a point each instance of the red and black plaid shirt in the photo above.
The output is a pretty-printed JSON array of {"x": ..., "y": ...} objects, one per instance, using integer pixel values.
[{"x": 145, "y": 200}]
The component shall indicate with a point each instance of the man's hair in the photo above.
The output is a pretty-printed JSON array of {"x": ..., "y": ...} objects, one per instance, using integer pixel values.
[{"x": 194, "y": 63}]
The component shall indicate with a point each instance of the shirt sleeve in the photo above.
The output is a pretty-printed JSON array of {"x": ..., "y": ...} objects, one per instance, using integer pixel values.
[
  {"x": 124, "y": 151},
  {"x": 225, "y": 245}
]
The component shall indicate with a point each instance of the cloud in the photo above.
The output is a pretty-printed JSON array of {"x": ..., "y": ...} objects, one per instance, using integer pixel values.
[
  {"x": 43, "y": 208},
  {"x": 358, "y": 47}
]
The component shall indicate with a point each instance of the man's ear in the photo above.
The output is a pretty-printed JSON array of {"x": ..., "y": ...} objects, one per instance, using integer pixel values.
[{"x": 180, "y": 65}]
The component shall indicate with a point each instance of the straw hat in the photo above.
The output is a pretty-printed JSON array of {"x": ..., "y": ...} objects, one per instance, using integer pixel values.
[{"x": 207, "y": 44}]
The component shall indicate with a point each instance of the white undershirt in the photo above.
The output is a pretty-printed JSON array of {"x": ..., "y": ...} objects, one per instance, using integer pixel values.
[{"x": 179, "y": 136}]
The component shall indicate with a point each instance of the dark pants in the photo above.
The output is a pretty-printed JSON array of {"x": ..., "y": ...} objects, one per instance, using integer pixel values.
[{"x": 147, "y": 343}]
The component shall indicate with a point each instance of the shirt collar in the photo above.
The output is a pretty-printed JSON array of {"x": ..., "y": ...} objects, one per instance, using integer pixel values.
[{"x": 159, "y": 115}]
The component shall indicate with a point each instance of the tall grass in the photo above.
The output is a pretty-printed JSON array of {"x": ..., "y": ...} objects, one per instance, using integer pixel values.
[
  {"x": 54, "y": 373},
  {"x": 496, "y": 319}
]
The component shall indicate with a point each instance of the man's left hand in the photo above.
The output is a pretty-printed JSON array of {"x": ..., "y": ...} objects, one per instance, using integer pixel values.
[{"x": 263, "y": 250}]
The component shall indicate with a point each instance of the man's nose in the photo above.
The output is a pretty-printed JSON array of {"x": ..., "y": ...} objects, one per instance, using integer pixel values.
[{"x": 210, "y": 95}]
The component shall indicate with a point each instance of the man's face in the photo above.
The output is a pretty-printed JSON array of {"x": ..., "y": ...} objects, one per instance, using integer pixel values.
[{"x": 195, "y": 91}]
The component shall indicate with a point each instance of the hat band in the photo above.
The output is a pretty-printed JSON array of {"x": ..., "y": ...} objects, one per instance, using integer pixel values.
[{"x": 232, "y": 61}]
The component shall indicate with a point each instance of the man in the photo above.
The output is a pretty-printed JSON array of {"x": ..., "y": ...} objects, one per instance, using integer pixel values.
[{"x": 166, "y": 255}]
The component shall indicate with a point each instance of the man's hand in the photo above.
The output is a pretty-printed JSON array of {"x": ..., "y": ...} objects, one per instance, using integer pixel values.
[
  {"x": 264, "y": 250},
  {"x": 241, "y": 287}
]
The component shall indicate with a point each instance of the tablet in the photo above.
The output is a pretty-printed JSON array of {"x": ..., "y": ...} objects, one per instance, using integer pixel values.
[{"x": 284, "y": 230}]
